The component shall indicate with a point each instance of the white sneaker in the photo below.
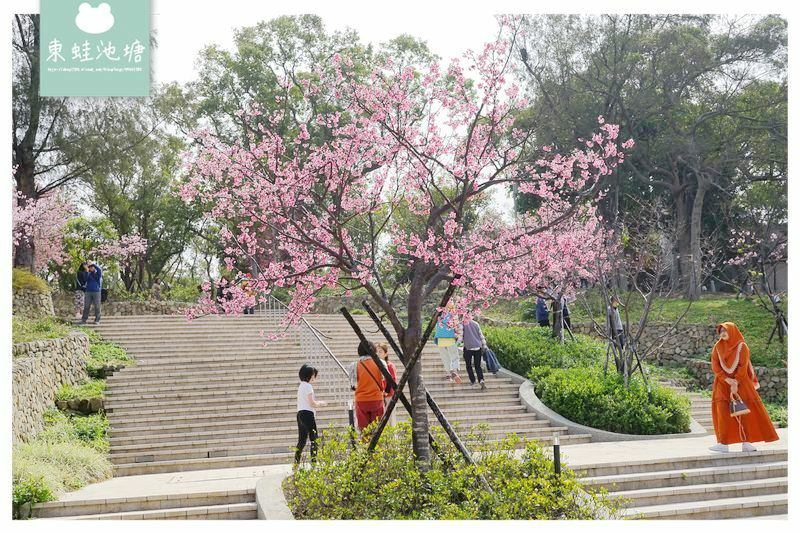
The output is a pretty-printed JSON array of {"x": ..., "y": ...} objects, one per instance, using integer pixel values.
[
  {"x": 747, "y": 447},
  {"x": 483, "y": 385},
  {"x": 722, "y": 448}
]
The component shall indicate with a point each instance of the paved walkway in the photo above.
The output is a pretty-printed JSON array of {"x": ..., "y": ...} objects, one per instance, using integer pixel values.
[
  {"x": 627, "y": 452},
  {"x": 180, "y": 482},
  {"x": 233, "y": 479}
]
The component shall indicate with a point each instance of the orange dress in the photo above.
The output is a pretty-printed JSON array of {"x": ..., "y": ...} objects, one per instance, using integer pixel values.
[{"x": 756, "y": 426}]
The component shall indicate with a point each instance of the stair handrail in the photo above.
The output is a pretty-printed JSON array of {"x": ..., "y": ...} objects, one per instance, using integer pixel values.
[{"x": 318, "y": 334}]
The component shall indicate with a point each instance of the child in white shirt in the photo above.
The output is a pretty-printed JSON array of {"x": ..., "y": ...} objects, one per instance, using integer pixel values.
[{"x": 306, "y": 413}]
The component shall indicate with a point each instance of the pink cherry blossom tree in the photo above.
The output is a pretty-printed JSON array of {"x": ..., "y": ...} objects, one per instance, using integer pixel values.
[
  {"x": 432, "y": 139},
  {"x": 38, "y": 223}
]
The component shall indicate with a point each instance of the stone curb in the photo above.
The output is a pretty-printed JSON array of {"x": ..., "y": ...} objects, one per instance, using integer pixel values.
[
  {"x": 533, "y": 404},
  {"x": 270, "y": 501}
]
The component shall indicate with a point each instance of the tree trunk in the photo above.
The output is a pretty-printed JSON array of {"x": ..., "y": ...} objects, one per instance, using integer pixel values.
[
  {"x": 419, "y": 403},
  {"x": 682, "y": 231},
  {"x": 558, "y": 319},
  {"x": 409, "y": 341},
  {"x": 696, "y": 273},
  {"x": 24, "y": 158}
]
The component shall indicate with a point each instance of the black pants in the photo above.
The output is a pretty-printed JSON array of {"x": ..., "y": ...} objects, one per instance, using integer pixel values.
[
  {"x": 249, "y": 310},
  {"x": 545, "y": 323},
  {"x": 473, "y": 358},
  {"x": 306, "y": 429},
  {"x": 568, "y": 323}
]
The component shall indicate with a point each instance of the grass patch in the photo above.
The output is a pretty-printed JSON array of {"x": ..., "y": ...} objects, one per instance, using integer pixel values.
[
  {"x": 103, "y": 354},
  {"x": 94, "y": 388},
  {"x": 67, "y": 455},
  {"x": 36, "y": 329},
  {"x": 22, "y": 279},
  {"x": 754, "y": 321}
]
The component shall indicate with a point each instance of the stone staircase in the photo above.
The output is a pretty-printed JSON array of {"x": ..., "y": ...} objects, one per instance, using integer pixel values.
[
  {"x": 701, "y": 405},
  {"x": 207, "y": 505},
  {"x": 732, "y": 485},
  {"x": 214, "y": 394}
]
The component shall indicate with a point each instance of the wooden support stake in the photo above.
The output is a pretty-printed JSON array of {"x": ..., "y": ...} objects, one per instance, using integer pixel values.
[
  {"x": 410, "y": 362},
  {"x": 398, "y": 395}
]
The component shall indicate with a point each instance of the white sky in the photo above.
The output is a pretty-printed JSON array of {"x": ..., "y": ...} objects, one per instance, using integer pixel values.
[{"x": 182, "y": 34}]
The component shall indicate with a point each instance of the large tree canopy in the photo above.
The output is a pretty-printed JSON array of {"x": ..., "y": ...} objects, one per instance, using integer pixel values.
[
  {"x": 428, "y": 138},
  {"x": 704, "y": 96}
]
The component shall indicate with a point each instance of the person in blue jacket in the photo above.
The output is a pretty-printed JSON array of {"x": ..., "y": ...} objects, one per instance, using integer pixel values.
[
  {"x": 542, "y": 314},
  {"x": 94, "y": 285}
]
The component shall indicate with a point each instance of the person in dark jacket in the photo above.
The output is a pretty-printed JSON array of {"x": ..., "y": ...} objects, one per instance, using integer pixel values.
[
  {"x": 542, "y": 314},
  {"x": 94, "y": 285},
  {"x": 80, "y": 288}
]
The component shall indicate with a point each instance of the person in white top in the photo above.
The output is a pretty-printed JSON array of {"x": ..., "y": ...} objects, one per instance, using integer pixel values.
[{"x": 306, "y": 413}]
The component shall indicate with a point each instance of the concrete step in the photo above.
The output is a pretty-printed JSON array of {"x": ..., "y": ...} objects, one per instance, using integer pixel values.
[
  {"x": 230, "y": 407},
  {"x": 268, "y": 396},
  {"x": 695, "y": 476},
  {"x": 673, "y": 463},
  {"x": 468, "y": 417},
  {"x": 243, "y": 378},
  {"x": 223, "y": 430},
  {"x": 743, "y": 507},
  {"x": 278, "y": 441},
  {"x": 276, "y": 396},
  {"x": 73, "y": 508},
  {"x": 135, "y": 469},
  {"x": 236, "y": 425},
  {"x": 234, "y": 511},
  {"x": 708, "y": 491},
  {"x": 183, "y": 465}
]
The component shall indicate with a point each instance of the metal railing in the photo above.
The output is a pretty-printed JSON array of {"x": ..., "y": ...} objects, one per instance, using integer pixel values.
[{"x": 333, "y": 381}]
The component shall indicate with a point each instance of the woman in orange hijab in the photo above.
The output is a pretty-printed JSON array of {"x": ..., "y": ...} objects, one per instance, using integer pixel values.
[{"x": 734, "y": 375}]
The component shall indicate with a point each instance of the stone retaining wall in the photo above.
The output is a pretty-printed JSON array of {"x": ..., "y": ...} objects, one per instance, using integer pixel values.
[
  {"x": 31, "y": 304},
  {"x": 65, "y": 302},
  {"x": 40, "y": 368}
]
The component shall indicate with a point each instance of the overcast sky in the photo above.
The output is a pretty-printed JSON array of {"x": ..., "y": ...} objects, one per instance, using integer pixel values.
[{"x": 182, "y": 33}]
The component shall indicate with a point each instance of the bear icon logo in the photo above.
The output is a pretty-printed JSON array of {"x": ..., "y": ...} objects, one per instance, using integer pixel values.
[{"x": 94, "y": 20}]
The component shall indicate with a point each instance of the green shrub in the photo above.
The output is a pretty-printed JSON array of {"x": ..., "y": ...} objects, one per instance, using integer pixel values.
[
  {"x": 91, "y": 430},
  {"x": 25, "y": 492},
  {"x": 67, "y": 455},
  {"x": 93, "y": 388},
  {"x": 520, "y": 348},
  {"x": 778, "y": 412},
  {"x": 346, "y": 484},
  {"x": 585, "y": 396},
  {"x": 30, "y": 329},
  {"x": 22, "y": 279}
]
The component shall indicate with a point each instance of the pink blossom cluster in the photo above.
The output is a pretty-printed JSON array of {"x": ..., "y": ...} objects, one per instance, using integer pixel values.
[
  {"x": 42, "y": 221},
  {"x": 754, "y": 248},
  {"x": 428, "y": 139},
  {"x": 122, "y": 250}
]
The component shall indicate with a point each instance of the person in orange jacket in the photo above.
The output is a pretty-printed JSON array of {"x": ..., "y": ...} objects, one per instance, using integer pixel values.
[
  {"x": 734, "y": 378},
  {"x": 369, "y": 386}
]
